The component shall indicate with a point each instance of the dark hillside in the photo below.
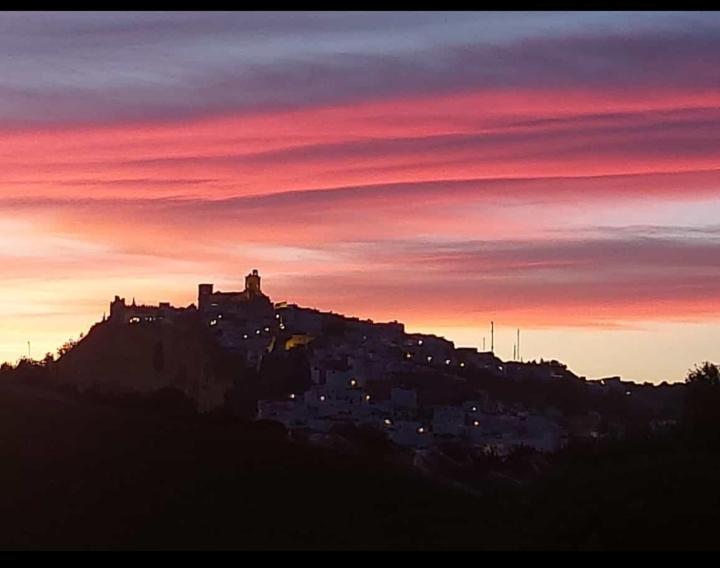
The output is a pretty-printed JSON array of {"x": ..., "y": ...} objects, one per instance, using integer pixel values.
[
  {"x": 88, "y": 475},
  {"x": 151, "y": 356},
  {"x": 84, "y": 474}
]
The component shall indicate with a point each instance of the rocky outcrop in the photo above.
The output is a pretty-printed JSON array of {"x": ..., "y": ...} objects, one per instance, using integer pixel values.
[{"x": 149, "y": 356}]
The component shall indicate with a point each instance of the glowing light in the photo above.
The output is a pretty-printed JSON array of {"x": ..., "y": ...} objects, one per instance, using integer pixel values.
[
  {"x": 474, "y": 409},
  {"x": 388, "y": 422},
  {"x": 462, "y": 364},
  {"x": 429, "y": 358},
  {"x": 353, "y": 382},
  {"x": 447, "y": 361},
  {"x": 257, "y": 332},
  {"x": 408, "y": 355},
  {"x": 134, "y": 319},
  {"x": 322, "y": 397},
  {"x": 245, "y": 335},
  {"x": 420, "y": 341},
  {"x": 421, "y": 430},
  {"x": 292, "y": 396},
  {"x": 213, "y": 322},
  {"x": 476, "y": 423},
  {"x": 367, "y": 397}
]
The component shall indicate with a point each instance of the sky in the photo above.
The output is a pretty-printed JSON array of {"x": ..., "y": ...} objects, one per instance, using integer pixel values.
[{"x": 556, "y": 172}]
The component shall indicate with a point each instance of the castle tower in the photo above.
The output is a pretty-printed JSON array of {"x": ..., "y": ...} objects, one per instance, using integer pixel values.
[
  {"x": 117, "y": 309},
  {"x": 204, "y": 293},
  {"x": 252, "y": 284}
]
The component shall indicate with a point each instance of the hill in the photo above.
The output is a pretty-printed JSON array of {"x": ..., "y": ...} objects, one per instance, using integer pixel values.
[
  {"x": 146, "y": 358},
  {"x": 93, "y": 475}
]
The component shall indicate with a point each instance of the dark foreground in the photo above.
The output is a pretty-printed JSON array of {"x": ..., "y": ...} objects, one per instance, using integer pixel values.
[{"x": 82, "y": 474}]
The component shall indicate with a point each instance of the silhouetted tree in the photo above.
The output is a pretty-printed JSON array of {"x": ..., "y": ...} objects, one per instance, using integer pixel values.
[
  {"x": 47, "y": 360},
  {"x": 30, "y": 371},
  {"x": 702, "y": 403},
  {"x": 707, "y": 373},
  {"x": 66, "y": 347}
]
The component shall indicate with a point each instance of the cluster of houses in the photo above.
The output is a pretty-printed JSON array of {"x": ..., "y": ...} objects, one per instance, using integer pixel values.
[
  {"x": 478, "y": 424},
  {"x": 355, "y": 365}
]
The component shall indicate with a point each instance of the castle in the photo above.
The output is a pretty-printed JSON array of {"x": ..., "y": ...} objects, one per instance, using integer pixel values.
[
  {"x": 413, "y": 386},
  {"x": 250, "y": 304},
  {"x": 122, "y": 313}
]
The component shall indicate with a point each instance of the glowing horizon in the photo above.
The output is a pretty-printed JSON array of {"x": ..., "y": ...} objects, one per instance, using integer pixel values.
[{"x": 552, "y": 172}]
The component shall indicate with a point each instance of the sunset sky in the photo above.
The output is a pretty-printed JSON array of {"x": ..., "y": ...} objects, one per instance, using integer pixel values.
[{"x": 553, "y": 172}]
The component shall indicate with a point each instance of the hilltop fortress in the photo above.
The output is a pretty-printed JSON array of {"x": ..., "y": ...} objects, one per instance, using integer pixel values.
[
  {"x": 247, "y": 321},
  {"x": 314, "y": 370},
  {"x": 250, "y": 303},
  {"x": 205, "y": 348}
]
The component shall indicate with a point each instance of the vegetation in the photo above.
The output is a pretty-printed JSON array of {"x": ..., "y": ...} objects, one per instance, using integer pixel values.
[
  {"x": 68, "y": 346},
  {"x": 107, "y": 471},
  {"x": 702, "y": 405}
]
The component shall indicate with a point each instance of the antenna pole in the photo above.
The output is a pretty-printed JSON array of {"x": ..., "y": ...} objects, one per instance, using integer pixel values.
[
  {"x": 492, "y": 336},
  {"x": 518, "y": 344}
]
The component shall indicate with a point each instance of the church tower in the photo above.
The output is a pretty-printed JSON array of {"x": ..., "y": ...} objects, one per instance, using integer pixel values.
[{"x": 252, "y": 284}]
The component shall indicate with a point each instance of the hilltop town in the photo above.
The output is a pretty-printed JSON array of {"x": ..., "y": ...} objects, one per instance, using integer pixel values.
[
  {"x": 316, "y": 372},
  {"x": 182, "y": 420}
]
